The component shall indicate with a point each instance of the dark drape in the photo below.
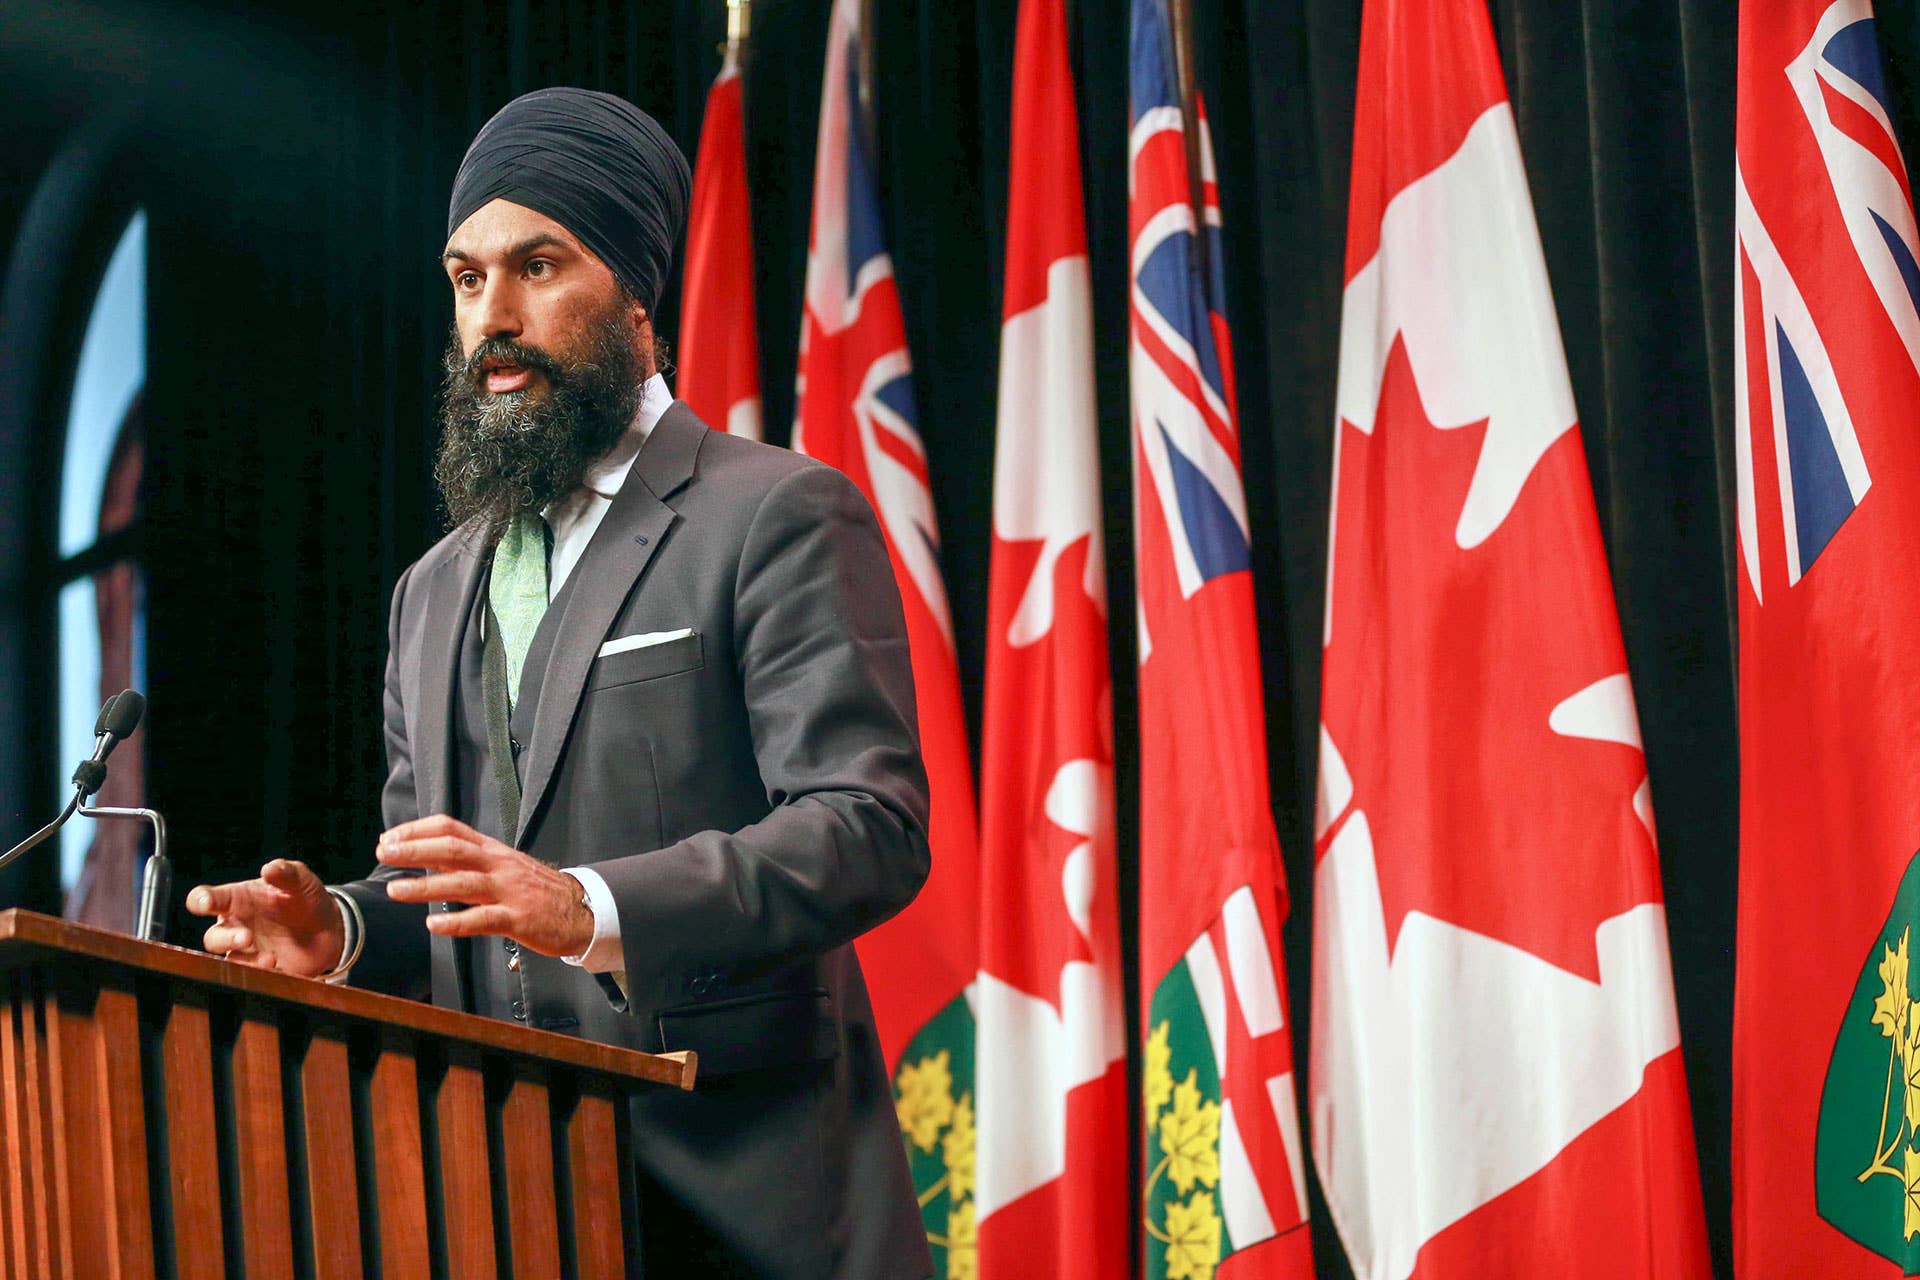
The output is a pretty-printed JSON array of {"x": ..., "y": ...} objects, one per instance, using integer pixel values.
[{"x": 296, "y": 165}]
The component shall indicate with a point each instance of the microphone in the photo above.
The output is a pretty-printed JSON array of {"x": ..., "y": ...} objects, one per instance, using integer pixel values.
[
  {"x": 118, "y": 718},
  {"x": 116, "y": 722}
]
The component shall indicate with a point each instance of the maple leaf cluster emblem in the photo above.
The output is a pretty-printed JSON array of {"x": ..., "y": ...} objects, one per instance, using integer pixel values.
[
  {"x": 933, "y": 1098},
  {"x": 1183, "y": 1128}
]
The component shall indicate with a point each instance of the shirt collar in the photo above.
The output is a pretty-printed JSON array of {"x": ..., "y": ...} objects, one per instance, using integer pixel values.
[{"x": 606, "y": 476}]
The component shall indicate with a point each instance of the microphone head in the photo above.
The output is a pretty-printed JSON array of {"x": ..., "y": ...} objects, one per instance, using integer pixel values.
[
  {"x": 106, "y": 714},
  {"x": 121, "y": 716}
]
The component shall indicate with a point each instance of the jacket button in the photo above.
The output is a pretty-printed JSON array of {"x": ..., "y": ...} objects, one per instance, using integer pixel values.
[
  {"x": 520, "y": 1010},
  {"x": 513, "y": 746}
]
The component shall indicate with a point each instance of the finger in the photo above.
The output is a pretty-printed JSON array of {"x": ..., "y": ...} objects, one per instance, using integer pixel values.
[
  {"x": 216, "y": 899},
  {"x": 225, "y": 938},
  {"x": 289, "y": 876},
  {"x": 438, "y": 824},
  {"x": 436, "y": 853},
  {"x": 476, "y": 887},
  {"x": 471, "y": 923},
  {"x": 255, "y": 959}
]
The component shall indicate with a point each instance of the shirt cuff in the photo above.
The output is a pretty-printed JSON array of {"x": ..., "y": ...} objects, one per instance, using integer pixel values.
[
  {"x": 353, "y": 936},
  {"x": 604, "y": 954}
]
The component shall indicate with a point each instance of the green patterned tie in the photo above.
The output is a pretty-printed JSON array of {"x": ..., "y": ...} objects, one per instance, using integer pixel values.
[{"x": 518, "y": 591}]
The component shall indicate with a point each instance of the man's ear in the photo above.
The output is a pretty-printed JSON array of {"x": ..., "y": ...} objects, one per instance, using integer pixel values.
[{"x": 643, "y": 337}]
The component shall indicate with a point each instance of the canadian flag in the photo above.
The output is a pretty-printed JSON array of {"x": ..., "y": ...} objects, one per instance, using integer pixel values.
[
  {"x": 719, "y": 354},
  {"x": 1051, "y": 1198},
  {"x": 1496, "y": 1080},
  {"x": 856, "y": 412}
]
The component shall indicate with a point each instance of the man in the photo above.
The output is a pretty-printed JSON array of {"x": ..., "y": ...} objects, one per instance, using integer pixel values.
[{"x": 672, "y": 662}]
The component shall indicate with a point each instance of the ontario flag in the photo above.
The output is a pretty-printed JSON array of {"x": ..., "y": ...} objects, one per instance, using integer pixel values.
[
  {"x": 719, "y": 355},
  {"x": 1225, "y": 1188},
  {"x": 1497, "y": 1088},
  {"x": 1826, "y": 1076},
  {"x": 856, "y": 411},
  {"x": 1051, "y": 1196}
]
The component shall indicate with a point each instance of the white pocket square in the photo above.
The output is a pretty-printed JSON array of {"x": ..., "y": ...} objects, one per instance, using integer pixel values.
[{"x": 642, "y": 640}]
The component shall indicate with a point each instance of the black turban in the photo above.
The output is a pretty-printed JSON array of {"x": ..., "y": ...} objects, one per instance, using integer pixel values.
[{"x": 596, "y": 164}]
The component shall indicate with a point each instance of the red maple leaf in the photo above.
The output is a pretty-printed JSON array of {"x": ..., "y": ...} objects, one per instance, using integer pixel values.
[{"x": 1443, "y": 665}]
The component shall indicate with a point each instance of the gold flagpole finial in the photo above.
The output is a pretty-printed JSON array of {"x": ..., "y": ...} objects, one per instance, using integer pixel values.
[{"x": 737, "y": 16}]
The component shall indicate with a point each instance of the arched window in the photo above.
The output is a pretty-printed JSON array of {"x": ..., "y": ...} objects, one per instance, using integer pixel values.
[{"x": 101, "y": 590}]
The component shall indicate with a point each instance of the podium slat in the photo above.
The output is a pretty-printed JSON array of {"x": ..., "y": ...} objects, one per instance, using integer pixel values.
[
  {"x": 466, "y": 1187},
  {"x": 333, "y": 1193},
  {"x": 260, "y": 1134},
  {"x": 526, "y": 1129},
  {"x": 87, "y": 1239},
  {"x": 68, "y": 1156},
  {"x": 599, "y": 1249},
  {"x": 22, "y": 1258},
  {"x": 114, "y": 1027},
  {"x": 394, "y": 1094},
  {"x": 49, "y": 1200},
  {"x": 193, "y": 1158}
]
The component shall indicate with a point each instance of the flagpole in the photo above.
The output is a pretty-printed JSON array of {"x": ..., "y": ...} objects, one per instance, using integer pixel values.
[
  {"x": 1180, "y": 18},
  {"x": 866, "y": 68}
]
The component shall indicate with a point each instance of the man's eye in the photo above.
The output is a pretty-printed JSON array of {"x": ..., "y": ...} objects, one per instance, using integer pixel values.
[
  {"x": 539, "y": 267},
  {"x": 467, "y": 280}
]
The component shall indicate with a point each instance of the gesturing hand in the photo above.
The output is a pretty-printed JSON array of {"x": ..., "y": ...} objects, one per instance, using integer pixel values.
[
  {"x": 284, "y": 920},
  {"x": 507, "y": 892}
]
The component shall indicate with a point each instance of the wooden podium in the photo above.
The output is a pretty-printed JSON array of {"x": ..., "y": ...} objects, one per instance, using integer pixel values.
[{"x": 167, "y": 1114}]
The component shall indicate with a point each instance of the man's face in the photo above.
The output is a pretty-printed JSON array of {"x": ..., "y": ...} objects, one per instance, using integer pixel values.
[
  {"x": 544, "y": 369},
  {"x": 522, "y": 278}
]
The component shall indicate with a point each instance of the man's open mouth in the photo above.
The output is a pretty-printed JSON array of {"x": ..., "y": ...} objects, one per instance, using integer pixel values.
[{"x": 502, "y": 378}]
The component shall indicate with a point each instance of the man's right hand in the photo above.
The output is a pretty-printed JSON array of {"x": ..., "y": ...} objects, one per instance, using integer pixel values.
[{"x": 285, "y": 920}]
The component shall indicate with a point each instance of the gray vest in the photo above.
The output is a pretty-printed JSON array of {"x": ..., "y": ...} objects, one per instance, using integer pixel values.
[{"x": 496, "y": 969}]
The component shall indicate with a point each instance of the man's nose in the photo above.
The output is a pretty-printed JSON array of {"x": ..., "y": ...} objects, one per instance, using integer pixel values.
[{"x": 497, "y": 314}]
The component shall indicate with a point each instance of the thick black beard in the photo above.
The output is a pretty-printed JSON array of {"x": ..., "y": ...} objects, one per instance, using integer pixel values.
[{"x": 520, "y": 450}]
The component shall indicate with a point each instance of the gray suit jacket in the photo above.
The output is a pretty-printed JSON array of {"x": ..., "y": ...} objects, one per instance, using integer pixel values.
[{"x": 753, "y": 795}]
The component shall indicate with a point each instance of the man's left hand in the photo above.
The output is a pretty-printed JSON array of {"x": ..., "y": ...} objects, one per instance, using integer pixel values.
[{"x": 507, "y": 892}]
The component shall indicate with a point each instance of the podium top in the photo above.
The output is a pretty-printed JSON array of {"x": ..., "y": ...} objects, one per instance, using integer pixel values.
[{"x": 28, "y": 937}]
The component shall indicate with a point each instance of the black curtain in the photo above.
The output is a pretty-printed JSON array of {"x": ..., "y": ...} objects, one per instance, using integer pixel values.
[{"x": 295, "y": 166}]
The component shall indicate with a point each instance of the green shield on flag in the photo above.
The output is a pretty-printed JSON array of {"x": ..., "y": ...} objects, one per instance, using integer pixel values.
[
  {"x": 1186, "y": 1235},
  {"x": 933, "y": 1096},
  {"x": 1867, "y": 1148}
]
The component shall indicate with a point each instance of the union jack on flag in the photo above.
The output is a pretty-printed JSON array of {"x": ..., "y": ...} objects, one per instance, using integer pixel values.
[
  {"x": 1792, "y": 364},
  {"x": 1182, "y": 370},
  {"x": 1224, "y": 1183}
]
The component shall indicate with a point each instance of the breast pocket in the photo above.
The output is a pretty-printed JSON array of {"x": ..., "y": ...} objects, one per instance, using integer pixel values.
[{"x": 648, "y": 662}]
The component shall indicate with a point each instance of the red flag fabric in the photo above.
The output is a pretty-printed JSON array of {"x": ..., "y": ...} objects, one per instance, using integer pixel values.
[
  {"x": 1496, "y": 1086},
  {"x": 1224, "y": 1184},
  {"x": 1826, "y": 1076},
  {"x": 856, "y": 412},
  {"x": 1051, "y": 1193},
  {"x": 719, "y": 355}
]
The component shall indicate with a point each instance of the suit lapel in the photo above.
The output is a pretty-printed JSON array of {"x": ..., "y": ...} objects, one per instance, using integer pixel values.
[
  {"x": 449, "y": 604},
  {"x": 619, "y": 553}
]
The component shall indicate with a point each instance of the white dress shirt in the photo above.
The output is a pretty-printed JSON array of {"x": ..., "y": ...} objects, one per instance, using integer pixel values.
[{"x": 574, "y": 519}]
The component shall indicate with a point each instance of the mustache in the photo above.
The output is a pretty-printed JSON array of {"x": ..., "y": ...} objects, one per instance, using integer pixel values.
[{"x": 507, "y": 351}]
